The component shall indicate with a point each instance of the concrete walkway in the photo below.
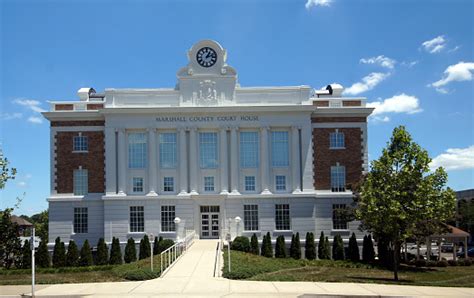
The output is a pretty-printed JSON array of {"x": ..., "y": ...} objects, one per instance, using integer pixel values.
[{"x": 192, "y": 276}]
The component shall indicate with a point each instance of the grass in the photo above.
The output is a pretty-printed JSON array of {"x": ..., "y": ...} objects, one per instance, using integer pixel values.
[{"x": 252, "y": 267}]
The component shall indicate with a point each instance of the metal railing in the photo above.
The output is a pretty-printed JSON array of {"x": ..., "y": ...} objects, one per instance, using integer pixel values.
[{"x": 169, "y": 256}]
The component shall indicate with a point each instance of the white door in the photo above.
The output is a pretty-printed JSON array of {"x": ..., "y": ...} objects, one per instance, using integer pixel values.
[{"x": 209, "y": 222}]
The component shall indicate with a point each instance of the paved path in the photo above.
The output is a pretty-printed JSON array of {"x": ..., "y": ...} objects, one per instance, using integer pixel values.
[{"x": 192, "y": 276}]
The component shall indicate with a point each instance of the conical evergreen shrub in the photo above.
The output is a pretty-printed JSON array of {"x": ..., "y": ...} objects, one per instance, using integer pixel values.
[
  {"x": 130, "y": 251},
  {"x": 321, "y": 251},
  {"x": 267, "y": 249},
  {"x": 72, "y": 256},
  {"x": 145, "y": 249},
  {"x": 42, "y": 255},
  {"x": 327, "y": 249},
  {"x": 368, "y": 252},
  {"x": 353, "y": 249},
  {"x": 59, "y": 254},
  {"x": 254, "y": 245},
  {"x": 309, "y": 247},
  {"x": 337, "y": 248},
  {"x": 25, "y": 256},
  {"x": 156, "y": 245},
  {"x": 102, "y": 256},
  {"x": 115, "y": 252},
  {"x": 280, "y": 248},
  {"x": 85, "y": 258},
  {"x": 295, "y": 249}
]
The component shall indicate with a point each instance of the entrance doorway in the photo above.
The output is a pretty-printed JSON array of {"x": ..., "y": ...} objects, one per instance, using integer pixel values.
[{"x": 210, "y": 222}]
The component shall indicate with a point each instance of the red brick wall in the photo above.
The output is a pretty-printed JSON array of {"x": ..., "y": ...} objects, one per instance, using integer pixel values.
[
  {"x": 351, "y": 103},
  {"x": 64, "y": 107},
  {"x": 337, "y": 119},
  {"x": 323, "y": 158},
  {"x": 67, "y": 161}
]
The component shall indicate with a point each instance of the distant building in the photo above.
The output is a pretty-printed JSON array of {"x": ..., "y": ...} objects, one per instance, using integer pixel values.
[
  {"x": 22, "y": 223},
  {"x": 467, "y": 195}
]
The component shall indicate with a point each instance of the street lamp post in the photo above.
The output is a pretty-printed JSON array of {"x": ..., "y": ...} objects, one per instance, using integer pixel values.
[
  {"x": 228, "y": 244},
  {"x": 151, "y": 247},
  {"x": 32, "y": 246}
]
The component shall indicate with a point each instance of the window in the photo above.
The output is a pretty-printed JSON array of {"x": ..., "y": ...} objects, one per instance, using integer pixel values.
[
  {"x": 137, "y": 184},
  {"x": 336, "y": 140},
  {"x": 136, "y": 150},
  {"x": 168, "y": 156},
  {"x": 137, "y": 222},
  {"x": 168, "y": 184},
  {"x": 167, "y": 219},
  {"x": 249, "y": 183},
  {"x": 209, "y": 183},
  {"x": 338, "y": 220},
  {"x": 248, "y": 149},
  {"x": 80, "y": 220},
  {"x": 280, "y": 182},
  {"x": 80, "y": 143},
  {"x": 338, "y": 178},
  {"x": 282, "y": 217},
  {"x": 208, "y": 149},
  {"x": 251, "y": 217},
  {"x": 280, "y": 149},
  {"x": 80, "y": 182}
]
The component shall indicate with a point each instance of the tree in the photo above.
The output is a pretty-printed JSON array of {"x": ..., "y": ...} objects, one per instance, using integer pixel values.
[
  {"x": 85, "y": 258},
  {"x": 368, "y": 252},
  {"x": 254, "y": 245},
  {"x": 130, "y": 251},
  {"x": 59, "y": 254},
  {"x": 41, "y": 223},
  {"x": 42, "y": 256},
  {"x": 10, "y": 245},
  {"x": 240, "y": 243},
  {"x": 156, "y": 245},
  {"x": 295, "y": 247},
  {"x": 354, "y": 255},
  {"x": 6, "y": 173},
  {"x": 72, "y": 255},
  {"x": 102, "y": 255},
  {"x": 267, "y": 249},
  {"x": 337, "y": 248},
  {"x": 24, "y": 259},
  {"x": 280, "y": 248},
  {"x": 145, "y": 249},
  {"x": 309, "y": 247},
  {"x": 323, "y": 248},
  {"x": 400, "y": 195},
  {"x": 327, "y": 248},
  {"x": 115, "y": 252}
]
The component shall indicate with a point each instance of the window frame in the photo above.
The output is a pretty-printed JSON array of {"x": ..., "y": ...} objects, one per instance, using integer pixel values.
[
  {"x": 168, "y": 214},
  {"x": 282, "y": 217},
  {"x": 337, "y": 140},
  {"x": 137, "y": 150},
  {"x": 142, "y": 185},
  {"x": 279, "y": 184},
  {"x": 338, "y": 222},
  {"x": 80, "y": 144},
  {"x": 276, "y": 146},
  {"x": 338, "y": 178},
  {"x": 80, "y": 224},
  {"x": 250, "y": 177},
  {"x": 251, "y": 217},
  {"x": 168, "y": 148},
  {"x": 170, "y": 179},
  {"x": 206, "y": 160},
  {"x": 209, "y": 187},
  {"x": 80, "y": 187},
  {"x": 136, "y": 219},
  {"x": 249, "y": 149}
]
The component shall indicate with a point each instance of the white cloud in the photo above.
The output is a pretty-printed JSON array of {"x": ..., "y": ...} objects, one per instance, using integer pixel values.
[
  {"x": 410, "y": 64},
  {"x": 35, "y": 120},
  {"x": 368, "y": 83},
  {"x": 455, "y": 73},
  {"x": 379, "y": 118},
  {"x": 21, "y": 183},
  {"x": 10, "y": 116},
  {"x": 31, "y": 104},
  {"x": 380, "y": 60},
  {"x": 401, "y": 103},
  {"x": 434, "y": 45},
  {"x": 455, "y": 159},
  {"x": 454, "y": 49},
  {"x": 311, "y": 3}
]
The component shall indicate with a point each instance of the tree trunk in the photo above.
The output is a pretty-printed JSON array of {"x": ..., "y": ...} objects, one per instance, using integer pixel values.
[{"x": 396, "y": 256}]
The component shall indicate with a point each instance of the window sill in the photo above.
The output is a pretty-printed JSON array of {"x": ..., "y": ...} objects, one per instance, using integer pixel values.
[
  {"x": 136, "y": 233},
  {"x": 284, "y": 231},
  {"x": 337, "y": 148},
  {"x": 80, "y": 151},
  {"x": 161, "y": 232}
]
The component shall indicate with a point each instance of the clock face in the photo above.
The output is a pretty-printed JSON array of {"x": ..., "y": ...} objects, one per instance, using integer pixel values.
[{"x": 206, "y": 57}]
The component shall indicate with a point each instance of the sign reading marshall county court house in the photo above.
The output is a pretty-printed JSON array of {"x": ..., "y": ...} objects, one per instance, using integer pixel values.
[{"x": 206, "y": 118}]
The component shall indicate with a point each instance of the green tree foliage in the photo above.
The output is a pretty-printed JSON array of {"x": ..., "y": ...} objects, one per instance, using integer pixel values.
[
  {"x": 368, "y": 252},
  {"x": 400, "y": 198},
  {"x": 6, "y": 173},
  {"x": 130, "y": 251},
  {"x": 102, "y": 255},
  {"x": 145, "y": 249},
  {"x": 310, "y": 247},
  {"x": 295, "y": 247},
  {"x": 165, "y": 244},
  {"x": 72, "y": 255},
  {"x": 41, "y": 223},
  {"x": 353, "y": 251},
  {"x": 59, "y": 254},
  {"x": 254, "y": 249},
  {"x": 240, "y": 243},
  {"x": 327, "y": 248},
  {"x": 85, "y": 258},
  {"x": 115, "y": 252},
  {"x": 10, "y": 245},
  {"x": 280, "y": 248},
  {"x": 25, "y": 256},
  {"x": 156, "y": 245},
  {"x": 267, "y": 249},
  {"x": 42, "y": 255},
  {"x": 323, "y": 248},
  {"x": 337, "y": 248}
]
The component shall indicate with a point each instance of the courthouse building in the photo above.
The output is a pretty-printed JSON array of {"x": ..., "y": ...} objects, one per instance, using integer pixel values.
[{"x": 204, "y": 156}]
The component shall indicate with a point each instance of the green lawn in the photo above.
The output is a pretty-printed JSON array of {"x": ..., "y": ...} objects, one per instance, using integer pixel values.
[{"x": 251, "y": 267}]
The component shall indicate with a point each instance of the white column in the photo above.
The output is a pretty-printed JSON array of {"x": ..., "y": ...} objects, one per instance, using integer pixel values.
[
  {"x": 264, "y": 160},
  {"x": 234, "y": 161},
  {"x": 152, "y": 164},
  {"x": 193, "y": 160},
  {"x": 183, "y": 162},
  {"x": 122, "y": 161},
  {"x": 224, "y": 169},
  {"x": 295, "y": 159}
]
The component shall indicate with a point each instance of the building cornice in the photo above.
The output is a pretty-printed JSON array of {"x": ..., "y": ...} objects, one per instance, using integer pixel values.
[{"x": 72, "y": 115}]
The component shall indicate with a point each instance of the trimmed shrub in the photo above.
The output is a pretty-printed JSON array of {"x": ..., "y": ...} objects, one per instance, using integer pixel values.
[
  {"x": 102, "y": 256},
  {"x": 72, "y": 256},
  {"x": 85, "y": 258},
  {"x": 240, "y": 243},
  {"x": 327, "y": 248},
  {"x": 430, "y": 263},
  {"x": 140, "y": 274},
  {"x": 254, "y": 245},
  {"x": 467, "y": 262},
  {"x": 267, "y": 249},
  {"x": 25, "y": 259},
  {"x": 165, "y": 244},
  {"x": 280, "y": 249},
  {"x": 452, "y": 263},
  {"x": 42, "y": 255},
  {"x": 368, "y": 252},
  {"x": 295, "y": 248},
  {"x": 420, "y": 263},
  {"x": 59, "y": 254},
  {"x": 115, "y": 252},
  {"x": 323, "y": 248},
  {"x": 130, "y": 251},
  {"x": 353, "y": 249},
  {"x": 442, "y": 263},
  {"x": 337, "y": 248},
  {"x": 309, "y": 247},
  {"x": 145, "y": 249},
  {"x": 156, "y": 245}
]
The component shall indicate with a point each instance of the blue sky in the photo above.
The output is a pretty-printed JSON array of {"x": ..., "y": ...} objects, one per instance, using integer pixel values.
[{"x": 413, "y": 60}]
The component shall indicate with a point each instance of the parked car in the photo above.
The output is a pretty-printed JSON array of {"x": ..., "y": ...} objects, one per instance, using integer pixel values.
[
  {"x": 447, "y": 247},
  {"x": 470, "y": 253}
]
